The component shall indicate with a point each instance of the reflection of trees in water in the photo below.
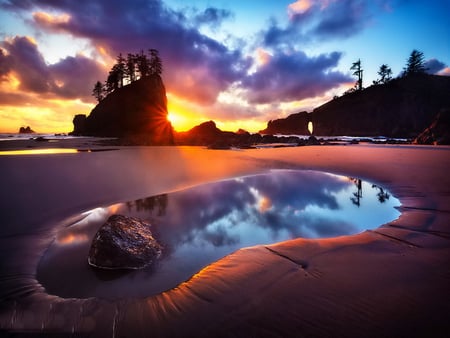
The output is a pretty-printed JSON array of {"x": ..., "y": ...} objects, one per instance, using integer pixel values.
[
  {"x": 356, "y": 199},
  {"x": 382, "y": 195},
  {"x": 152, "y": 203}
]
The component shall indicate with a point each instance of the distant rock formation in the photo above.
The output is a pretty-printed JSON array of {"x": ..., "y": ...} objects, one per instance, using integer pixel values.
[
  {"x": 294, "y": 124},
  {"x": 206, "y": 133},
  {"x": 26, "y": 130},
  {"x": 136, "y": 112},
  {"x": 438, "y": 133},
  {"x": 402, "y": 108},
  {"x": 123, "y": 243},
  {"x": 79, "y": 125}
]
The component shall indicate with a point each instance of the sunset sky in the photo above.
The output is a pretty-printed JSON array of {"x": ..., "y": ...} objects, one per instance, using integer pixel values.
[{"x": 239, "y": 63}]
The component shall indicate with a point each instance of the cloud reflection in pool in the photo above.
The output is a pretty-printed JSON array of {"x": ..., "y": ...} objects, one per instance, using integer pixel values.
[{"x": 200, "y": 225}]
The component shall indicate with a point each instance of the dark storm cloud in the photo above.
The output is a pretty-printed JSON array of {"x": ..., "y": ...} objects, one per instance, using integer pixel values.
[
  {"x": 75, "y": 76},
  {"x": 5, "y": 65},
  {"x": 434, "y": 66},
  {"x": 29, "y": 65},
  {"x": 71, "y": 77},
  {"x": 191, "y": 59},
  {"x": 294, "y": 76},
  {"x": 342, "y": 19},
  {"x": 322, "y": 21},
  {"x": 213, "y": 16},
  {"x": 196, "y": 67}
]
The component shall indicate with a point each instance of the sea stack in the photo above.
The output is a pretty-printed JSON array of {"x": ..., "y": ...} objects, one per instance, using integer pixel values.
[{"x": 136, "y": 112}]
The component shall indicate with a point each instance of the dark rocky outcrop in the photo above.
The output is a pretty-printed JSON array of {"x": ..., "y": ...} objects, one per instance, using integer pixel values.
[
  {"x": 79, "y": 125},
  {"x": 26, "y": 130},
  {"x": 203, "y": 134},
  {"x": 312, "y": 141},
  {"x": 123, "y": 243},
  {"x": 401, "y": 108},
  {"x": 207, "y": 134},
  {"x": 438, "y": 132},
  {"x": 296, "y": 124},
  {"x": 136, "y": 112}
]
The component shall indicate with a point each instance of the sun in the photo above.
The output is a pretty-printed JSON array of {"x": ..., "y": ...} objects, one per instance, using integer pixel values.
[
  {"x": 176, "y": 119},
  {"x": 180, "y": 117},
  {"x": 180, "y": 122},
  {"x": 172, "y": 117}
]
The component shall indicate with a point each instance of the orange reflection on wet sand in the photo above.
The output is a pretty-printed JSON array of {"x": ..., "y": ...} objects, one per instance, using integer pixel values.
[
  {"x": 72, "y": 238},
  {"x": 113, "y": 209},
  {"x": 40, "y": 151}
]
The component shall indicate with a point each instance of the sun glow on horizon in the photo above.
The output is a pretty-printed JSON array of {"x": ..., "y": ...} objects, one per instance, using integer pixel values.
[{"x": 178, "y": 121}]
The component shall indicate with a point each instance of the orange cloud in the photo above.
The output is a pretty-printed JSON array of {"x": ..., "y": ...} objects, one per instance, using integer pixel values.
[
  {"x": 262, "y": 57},
  {"x": 445, "y": 71},
  {"x": 49, "y": 20},
  {"x": 302, "y": 6},
  {"x": 299, "y": 7}
]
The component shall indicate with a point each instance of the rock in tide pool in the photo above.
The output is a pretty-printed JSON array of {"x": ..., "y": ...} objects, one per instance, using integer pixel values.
[{"x": 123, "y": 243}]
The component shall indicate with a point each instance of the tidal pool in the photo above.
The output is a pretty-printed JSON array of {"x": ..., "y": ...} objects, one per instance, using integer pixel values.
[{"x": 202, "y": 224}]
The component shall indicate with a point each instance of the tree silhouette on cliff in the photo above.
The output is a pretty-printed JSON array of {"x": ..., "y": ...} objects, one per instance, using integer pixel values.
[
  {"x": 415, "y": 63},
  {"x": 385, "y": 73},
  {"x": 134, "y": 67},
  {"x": 358, "y": 71},
  {"x": 98, "y": 91}
]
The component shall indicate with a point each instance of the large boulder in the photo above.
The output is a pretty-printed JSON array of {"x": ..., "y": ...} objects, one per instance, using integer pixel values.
[{"x": 124, "y": 243}]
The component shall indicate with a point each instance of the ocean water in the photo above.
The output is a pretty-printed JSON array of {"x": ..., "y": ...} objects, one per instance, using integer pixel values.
[{"x": 17, "y": 136}]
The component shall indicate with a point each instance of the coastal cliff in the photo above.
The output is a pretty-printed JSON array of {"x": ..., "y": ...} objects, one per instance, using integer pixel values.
[
  {"x": 136, "y": 112},
  {"x": 403, "y": 108}
]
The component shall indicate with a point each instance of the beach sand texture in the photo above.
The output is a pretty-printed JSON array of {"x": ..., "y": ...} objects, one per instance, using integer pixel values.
[{"x": 393, "y": 281}]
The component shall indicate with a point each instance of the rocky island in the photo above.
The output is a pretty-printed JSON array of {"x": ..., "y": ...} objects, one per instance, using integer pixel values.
[
  {"x": 135, "y": 112},
  {"x": 26, "y": 130}
]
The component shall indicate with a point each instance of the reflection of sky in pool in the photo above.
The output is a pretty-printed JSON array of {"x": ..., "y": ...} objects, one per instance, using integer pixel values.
[{"x": 198, "y": 226}]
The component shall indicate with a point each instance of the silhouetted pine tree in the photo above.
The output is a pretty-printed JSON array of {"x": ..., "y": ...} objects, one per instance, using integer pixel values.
[
  {"x": 385, "y": 73},
  {"x": 98, "y": 91},
  {"x": 356, "y": 66},
  {"x": 415, "y": 63},
  {"x": 156, "y": 67},
  {"x": 134, "y": 67}
]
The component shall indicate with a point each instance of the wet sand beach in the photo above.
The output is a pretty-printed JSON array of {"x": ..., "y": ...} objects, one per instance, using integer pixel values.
[{"x": 388, "y": 282}]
